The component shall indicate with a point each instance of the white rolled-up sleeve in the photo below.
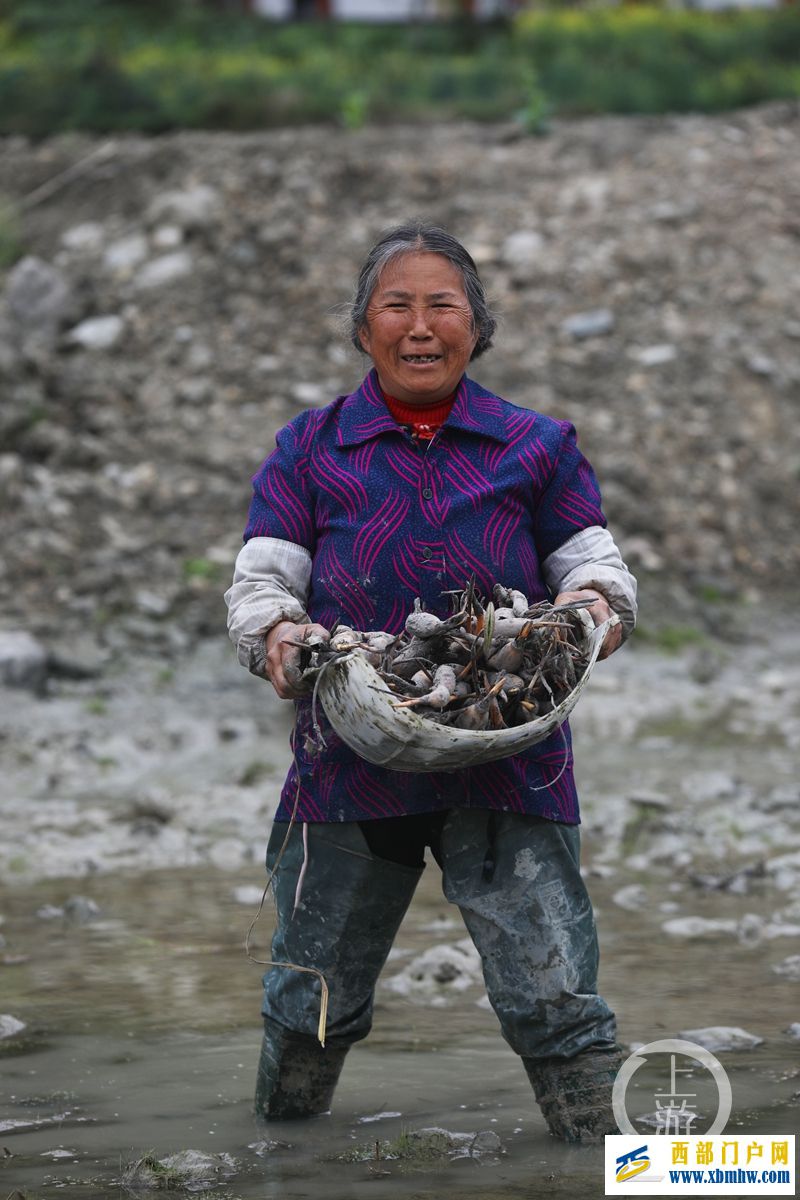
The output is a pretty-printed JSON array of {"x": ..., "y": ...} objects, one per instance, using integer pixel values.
[
  {"x": 591, "y": 559},
  {"x": 271, "y": 582}
]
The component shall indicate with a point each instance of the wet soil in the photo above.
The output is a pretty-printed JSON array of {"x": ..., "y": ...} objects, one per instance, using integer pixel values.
[{"x": 141, "y": 1016}]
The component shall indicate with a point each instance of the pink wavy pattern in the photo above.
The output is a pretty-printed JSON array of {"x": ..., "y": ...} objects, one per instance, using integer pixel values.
[
  {"x": 342, "y": 486},
  {"x": 465, "y": 476},
  {"x": 439, "y": 505},
  {"x": 501, "y": 527},
  {"x": 376, "y": 798},
  {"x": 536, "y": 463},
  {"x": 377, "y": 531},
  {"x": 404, "y": 462},
  {"x": 462, "y": 563},
  {"x": 343, "y": 587}
]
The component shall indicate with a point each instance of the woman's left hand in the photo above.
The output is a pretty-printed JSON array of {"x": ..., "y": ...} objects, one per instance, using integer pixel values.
[{"x": 600, "y": 611}]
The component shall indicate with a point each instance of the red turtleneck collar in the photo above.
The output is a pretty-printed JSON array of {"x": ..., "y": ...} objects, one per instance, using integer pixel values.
[{"x": 422, "y": 419}]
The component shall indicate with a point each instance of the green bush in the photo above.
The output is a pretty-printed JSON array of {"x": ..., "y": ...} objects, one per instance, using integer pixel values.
[
  {"x": 10, "y": 233},
  {"x": 647, "y": 59},
  {"x": 107, "y": 65}
]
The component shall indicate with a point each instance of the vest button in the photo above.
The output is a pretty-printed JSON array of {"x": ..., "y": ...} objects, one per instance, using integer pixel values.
[
  {"x": 426, "y": 553},
  {"x": 427, "y": 493}
]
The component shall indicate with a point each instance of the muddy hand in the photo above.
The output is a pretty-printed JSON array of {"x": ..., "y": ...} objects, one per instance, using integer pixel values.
[
  {"x": 600, "y": 611},
  {"x": 284, "y": 654}
]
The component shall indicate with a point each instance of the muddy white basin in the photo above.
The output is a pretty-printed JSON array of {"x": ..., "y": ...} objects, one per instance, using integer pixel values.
[{"x": 364, "y": 712}]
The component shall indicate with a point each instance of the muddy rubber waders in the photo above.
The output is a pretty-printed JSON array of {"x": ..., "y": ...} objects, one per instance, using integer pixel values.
[
  {"x": 574, "y": 1094},
  {"x": 296, "y": 1075},
  {"x": 342, "y": 921}
]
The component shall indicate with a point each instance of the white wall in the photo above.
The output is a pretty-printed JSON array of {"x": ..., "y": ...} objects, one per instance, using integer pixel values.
[
  {"x": 273, "y": 8},
  {"x": 380, "y": 10},
  {"x": 383, "y": 10}
]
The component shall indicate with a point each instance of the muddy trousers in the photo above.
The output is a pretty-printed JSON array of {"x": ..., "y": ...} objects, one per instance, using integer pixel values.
[{"x": 517, "y": 883}]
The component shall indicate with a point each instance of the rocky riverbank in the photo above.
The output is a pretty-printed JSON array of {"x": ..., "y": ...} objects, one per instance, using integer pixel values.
[{"x": 179, "y": 298}]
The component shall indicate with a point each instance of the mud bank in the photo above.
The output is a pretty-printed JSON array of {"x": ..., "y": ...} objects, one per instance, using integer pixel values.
[
  {"x": 180, "y": 298},
  {"x": 137, "y": 808}
]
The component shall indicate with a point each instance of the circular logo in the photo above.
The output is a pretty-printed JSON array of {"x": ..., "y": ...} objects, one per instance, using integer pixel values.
[{"x": 672, "y": 1046}]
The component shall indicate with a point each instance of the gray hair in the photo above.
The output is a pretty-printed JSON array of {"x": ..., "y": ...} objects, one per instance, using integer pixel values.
[{"x": 413, "y": 238}]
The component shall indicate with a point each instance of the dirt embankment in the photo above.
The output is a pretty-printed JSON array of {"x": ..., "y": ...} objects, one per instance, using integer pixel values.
[{"x": 185, "y": 300}]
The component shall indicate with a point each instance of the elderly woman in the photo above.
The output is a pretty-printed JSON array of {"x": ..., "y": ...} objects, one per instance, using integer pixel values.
[{"x": 407, "y": 487}]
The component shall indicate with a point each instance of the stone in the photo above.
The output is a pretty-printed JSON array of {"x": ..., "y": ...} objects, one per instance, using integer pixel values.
[
  {"x": 38, "y": 294},
  {"x": 267, "y": 363},
  {"x": 789, "y": 968},
  {"x": 97, "y": 333},
  {"x": 594, "y": 323},
  {"x": 653, "y": 800},
  {"x": 754, "y": 929},
  {"x": 655, "y": 356},
  {"x": 522, "y": 248},
  {"x": 794, "y": 1030},
  {"x": 154, "y": 604},
  {"x": 698, "y": 927},
  {"x": 192, "y": 208},
  {"x": 248, "y": 894},
  {"x": 80, "y": 910},
  {"x": 82, "y": 657},
  {"x": 195, "y": 391},
  {"x": 428, "y": 1146},
  {"x": 670, "y": 213},
  {"x": 162, "y": 271},
  {"x": 10, "y": 1026},
  {"x": 86, "y": 237},
  {"x": 310, "y": 393},
  {"x": 23, "y": 661},
  {"x": 722, "y": 1037},
  {"x": 438, "y": 970},
  {"x": 124, "y": 255},
  {"x": 192, "y": 1170},
  {"x": 761, "y": 364},
  {"x": 49, "y": 912},
  {"x": 633, "y": 897},
  {"x": 200, "y": 357},
  {"x": 228, "y": 853},
  {"x": 194, "y": 1165},
  {"x": 704, "y": 786},
  {"x": 267, "y": 1146},
  {"x": 167, "y": 237}
]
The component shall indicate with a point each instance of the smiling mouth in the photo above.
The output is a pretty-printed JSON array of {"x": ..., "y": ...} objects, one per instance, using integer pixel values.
[{"x": 421, "y": 359}]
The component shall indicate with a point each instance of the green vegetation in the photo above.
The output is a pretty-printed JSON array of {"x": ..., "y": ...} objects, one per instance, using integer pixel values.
[
  {"x": 417, "y": 1147},
  {"x": 254, "y": 772},
  {"x": 148, "y": 1172},
  {"x": 10, "y": 233},
  {"x": 672, "y": 638},
  {"x": 202, "y": 568},
  {"x": 107, "y": 65}
]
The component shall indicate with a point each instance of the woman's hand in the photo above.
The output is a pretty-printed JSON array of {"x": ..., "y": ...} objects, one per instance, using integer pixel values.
[
  {"x": 600, "y": 611},
  {"x": 283, "y": 656}
]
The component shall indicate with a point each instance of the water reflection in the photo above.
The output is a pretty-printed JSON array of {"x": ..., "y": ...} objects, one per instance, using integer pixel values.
[{"x": 142, "y": 1034}]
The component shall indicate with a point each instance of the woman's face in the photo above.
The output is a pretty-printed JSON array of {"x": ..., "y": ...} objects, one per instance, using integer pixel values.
[{"x": 419, "y": 332}]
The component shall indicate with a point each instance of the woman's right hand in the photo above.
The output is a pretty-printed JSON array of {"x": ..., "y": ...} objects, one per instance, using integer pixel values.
[{"x": 283, "y": 656}]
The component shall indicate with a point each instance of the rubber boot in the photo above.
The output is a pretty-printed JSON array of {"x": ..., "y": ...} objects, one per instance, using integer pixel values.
[
  {"x": 342, "y": 922},
  {"x": 574, "y": 1094},
  {"x": 296, "y": 1075}
]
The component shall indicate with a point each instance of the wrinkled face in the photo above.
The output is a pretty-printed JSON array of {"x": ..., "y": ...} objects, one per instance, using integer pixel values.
[{"x": 419, "y": 332}]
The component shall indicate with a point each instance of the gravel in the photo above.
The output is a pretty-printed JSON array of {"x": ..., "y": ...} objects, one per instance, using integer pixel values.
[{"x": 181, "y": 299}]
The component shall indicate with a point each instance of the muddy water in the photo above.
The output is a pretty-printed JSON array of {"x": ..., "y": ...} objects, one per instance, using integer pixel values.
[
  {"x": 142, "y": 1037},
  {"x": 142, "y": 1024}
]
